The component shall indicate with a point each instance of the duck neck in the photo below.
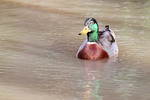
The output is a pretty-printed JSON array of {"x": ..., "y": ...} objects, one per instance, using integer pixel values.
[{"x": 93, "y": 36}]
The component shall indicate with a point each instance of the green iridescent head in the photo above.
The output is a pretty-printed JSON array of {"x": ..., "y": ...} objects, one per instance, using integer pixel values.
[{"x": 91, "y": 29}]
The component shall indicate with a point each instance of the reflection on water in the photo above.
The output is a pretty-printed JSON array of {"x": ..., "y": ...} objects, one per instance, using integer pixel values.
[
  {"x": 93, "y": 78},
  {"x": 39, "y": 40}
]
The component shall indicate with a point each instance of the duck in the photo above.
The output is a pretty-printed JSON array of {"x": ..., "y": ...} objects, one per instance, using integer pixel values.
[{"x": 99, "y": 44}]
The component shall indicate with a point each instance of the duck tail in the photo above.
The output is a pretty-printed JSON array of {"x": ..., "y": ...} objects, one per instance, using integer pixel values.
[{"x": 107, "y": 28}]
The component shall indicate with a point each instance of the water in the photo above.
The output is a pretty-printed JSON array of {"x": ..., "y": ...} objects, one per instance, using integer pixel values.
[{"x": 39, "y": 41}]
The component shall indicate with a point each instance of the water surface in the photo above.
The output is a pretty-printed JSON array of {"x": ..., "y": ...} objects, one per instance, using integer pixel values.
[{"x": 39, "y": 41}]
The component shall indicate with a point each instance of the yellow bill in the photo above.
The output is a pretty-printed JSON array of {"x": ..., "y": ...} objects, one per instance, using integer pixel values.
[{"x": 85, "y": 30}]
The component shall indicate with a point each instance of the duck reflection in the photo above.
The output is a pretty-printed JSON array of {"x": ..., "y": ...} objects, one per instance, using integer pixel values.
[
  {"x": 92, "y": 82},
  {"x": 93, "y": 77}
]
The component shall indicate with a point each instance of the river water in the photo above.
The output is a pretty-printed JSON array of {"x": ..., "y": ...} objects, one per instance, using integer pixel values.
[{"x": 39, "y": 41}]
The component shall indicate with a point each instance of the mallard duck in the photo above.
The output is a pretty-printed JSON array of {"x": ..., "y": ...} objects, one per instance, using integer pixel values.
[{"x": 99, "y": 43}]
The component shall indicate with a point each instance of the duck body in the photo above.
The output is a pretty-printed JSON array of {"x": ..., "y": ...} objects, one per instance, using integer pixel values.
[
  {"x": 92, "y": 51},
  {"x": 99, "y": 43},
  {"x": 107, "y": 41}
]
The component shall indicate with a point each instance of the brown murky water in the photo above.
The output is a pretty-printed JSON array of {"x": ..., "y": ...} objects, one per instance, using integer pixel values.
[{"x": 39, "y": 41}]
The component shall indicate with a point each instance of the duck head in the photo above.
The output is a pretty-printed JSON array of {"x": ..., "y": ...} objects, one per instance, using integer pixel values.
[{"x": 91, "y": 29}]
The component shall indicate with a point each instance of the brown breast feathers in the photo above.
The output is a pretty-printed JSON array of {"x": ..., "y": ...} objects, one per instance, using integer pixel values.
[{"x": 92, "y": 51}]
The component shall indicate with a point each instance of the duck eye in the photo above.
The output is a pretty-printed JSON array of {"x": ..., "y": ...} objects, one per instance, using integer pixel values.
[
  {"x": 85, "y": 28},
  {"x": 92, "y": 22}
]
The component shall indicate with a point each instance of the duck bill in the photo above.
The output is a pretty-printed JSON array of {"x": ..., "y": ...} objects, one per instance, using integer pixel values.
[{"x": 84, "y": 31}]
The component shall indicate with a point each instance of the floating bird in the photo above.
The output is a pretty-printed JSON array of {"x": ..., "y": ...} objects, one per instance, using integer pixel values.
[{"x": 99, "y": 43}]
